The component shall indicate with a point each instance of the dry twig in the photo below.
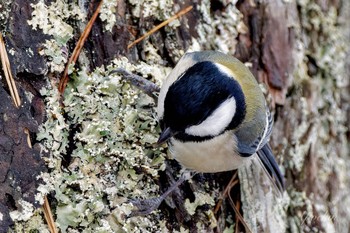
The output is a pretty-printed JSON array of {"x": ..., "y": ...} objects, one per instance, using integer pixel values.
[{"x": 141, "y": 83}]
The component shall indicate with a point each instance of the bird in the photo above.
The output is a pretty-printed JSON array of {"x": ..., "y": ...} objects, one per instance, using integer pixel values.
[{"x": 214, "y": 116}]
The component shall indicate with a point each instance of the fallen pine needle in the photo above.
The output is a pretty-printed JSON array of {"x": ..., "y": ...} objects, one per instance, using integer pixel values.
[
  {"x": 238, "y": 214},
  {"x": 159, "y": 26},
  {"x": 237, "y": 219},
  {"x": 224, "y": 194},
  {"x": 46, "y": 207},
  {"x": 64, "y": 80},
  {"x": 29, "y": 142},
  {"x": 48, "y": 216},
  {"x": 7, "y": 72}
]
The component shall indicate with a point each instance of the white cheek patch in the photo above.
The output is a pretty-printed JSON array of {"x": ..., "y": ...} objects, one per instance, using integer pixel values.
[{"x": 216, "y": 122}]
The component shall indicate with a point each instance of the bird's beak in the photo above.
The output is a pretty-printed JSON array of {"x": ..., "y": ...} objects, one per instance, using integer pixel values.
[{"x": 164, "y": 136}]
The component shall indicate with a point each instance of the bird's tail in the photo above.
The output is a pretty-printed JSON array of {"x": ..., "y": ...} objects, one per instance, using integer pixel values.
[{"x": 270, "y": 165}]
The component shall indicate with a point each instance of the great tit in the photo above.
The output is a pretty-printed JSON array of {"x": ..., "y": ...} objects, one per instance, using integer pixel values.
[{"x": 214, "y": 115}]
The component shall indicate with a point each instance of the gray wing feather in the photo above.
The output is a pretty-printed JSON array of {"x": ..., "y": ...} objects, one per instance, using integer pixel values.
[
  {"x": 259, "y": 144},
  {"x": 249, "y": 141}
]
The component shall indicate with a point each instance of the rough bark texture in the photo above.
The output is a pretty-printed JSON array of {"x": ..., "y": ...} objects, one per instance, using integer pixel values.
[
  {"x": 19, "y": 164},
  {"x": 298, "y": 50}
]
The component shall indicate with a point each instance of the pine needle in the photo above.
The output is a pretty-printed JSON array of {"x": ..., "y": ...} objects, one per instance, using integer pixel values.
[
  {"x": 224, "y": 194},
  {"x": 238, "y": 214},
  {"x": 76, "y": 52},
  {"x": 48, "y": 216},
  {"x": 159, "y": 26},
  {"x": 8, "y": 75}
]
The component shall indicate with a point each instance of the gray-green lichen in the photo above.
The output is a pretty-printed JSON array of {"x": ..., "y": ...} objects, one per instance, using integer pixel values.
[
  {"x": 5, "y": 8},
  {"x": 34, "y": 224},
  {"x": 115, "y": 130},
  {"x": 25, "y": 212},
  {"x": 200, "y": 199},
  {"x": 52, "y": 19},
  {"x": 107, "y": 15},
  {"x": 161, "y": 10},
  {"x": 220, "y": 31}
]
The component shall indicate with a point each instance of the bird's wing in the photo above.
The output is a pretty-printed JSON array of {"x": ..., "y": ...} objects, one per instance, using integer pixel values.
[
  {"x": 253, "y": 139},
  {"x": 254, "y": 135}
]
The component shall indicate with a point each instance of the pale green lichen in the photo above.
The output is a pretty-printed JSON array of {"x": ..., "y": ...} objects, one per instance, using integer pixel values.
[
  {"x": 219, "y": 31},
  {"x": 108, "y": 14},
  {"x": 24, "y": 213},
  {"x": 229, "y": 229},
  {"x": 160, "y": 10},
  {"x": 53, "y": 134},
  {"x": 12, "y": 51},
  {"x": 5, "y": 9},
  {"x": 52, "y": 19},
  {"x": 35, "y": 224},
  {"x": 200, "y": 199},
  {"x": 115, "y": 129},
  {"x": 57, "y": 57}
]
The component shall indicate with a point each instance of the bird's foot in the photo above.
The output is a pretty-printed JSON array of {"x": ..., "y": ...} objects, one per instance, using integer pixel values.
[{"x": 144, "y": 207}]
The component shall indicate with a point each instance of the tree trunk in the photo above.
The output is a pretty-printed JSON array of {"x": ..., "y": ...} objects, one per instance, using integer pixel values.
[{"x": 91, "y": 147}]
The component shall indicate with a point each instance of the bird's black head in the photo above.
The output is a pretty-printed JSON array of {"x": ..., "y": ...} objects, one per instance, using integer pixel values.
[{"x": 204, "y": 102}]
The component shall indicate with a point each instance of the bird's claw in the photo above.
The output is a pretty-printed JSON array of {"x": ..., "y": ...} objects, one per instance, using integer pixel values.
[{"x": 144, "y": 207}]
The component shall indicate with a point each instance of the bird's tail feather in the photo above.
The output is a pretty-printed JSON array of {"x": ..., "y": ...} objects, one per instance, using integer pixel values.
[{"x": 270, "y": 166}]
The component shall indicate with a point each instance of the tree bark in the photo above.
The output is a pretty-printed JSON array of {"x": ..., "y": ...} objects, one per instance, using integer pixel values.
[{"x": 96, "y": 139}]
